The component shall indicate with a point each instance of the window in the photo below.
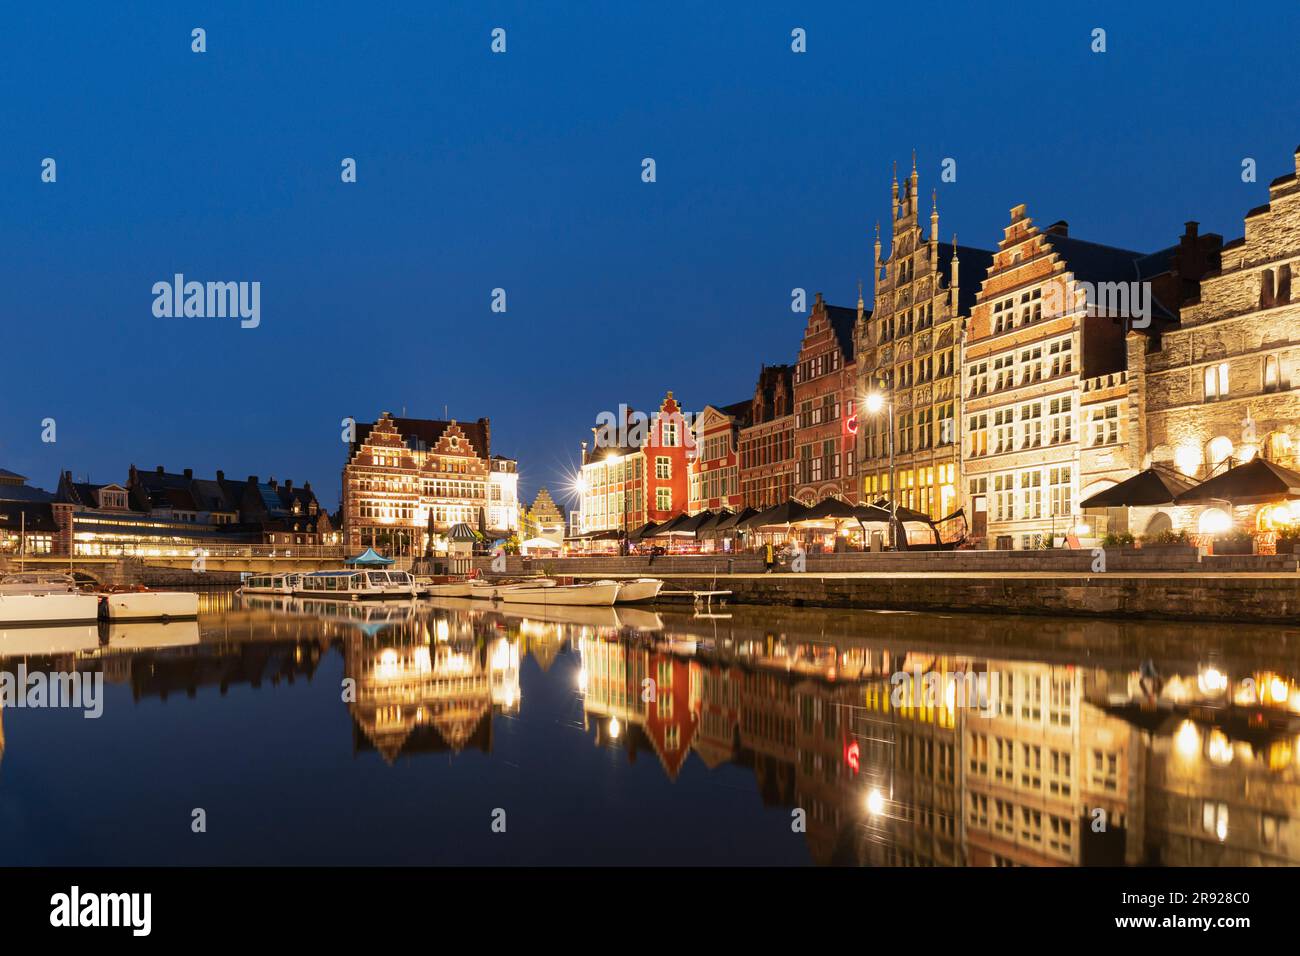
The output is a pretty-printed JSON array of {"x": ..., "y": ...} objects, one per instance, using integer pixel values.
[
  {"x": 1004, "y": 372},
  {"x": 1031, "y": 425},
  {"x": 1104, "y": 425},
  {"x": 979, "y": 435},
  {"x": 663, "y": 499},
  {"x": 1061, "y": 356},
  {"x": 978, "y": 373},
  {"x": 663, "y": 467},
  {"x": 1272, "y": 376},
  {"x": 1216, "y": 381},
  {"x": 1058, "y": 480},
  {"x": 1061, "y": 420},
  {"x": 1031, "y": 494}
]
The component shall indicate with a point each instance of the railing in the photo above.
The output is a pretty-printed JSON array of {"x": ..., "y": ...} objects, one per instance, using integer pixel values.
[{"x": 304, "y": 551}]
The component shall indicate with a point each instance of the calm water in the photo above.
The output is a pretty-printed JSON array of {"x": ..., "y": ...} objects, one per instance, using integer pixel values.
[{"x": 338, "y": 734}]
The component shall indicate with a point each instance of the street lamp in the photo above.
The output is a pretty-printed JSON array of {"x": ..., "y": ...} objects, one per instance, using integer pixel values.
[{"x": 874, "y": 402}]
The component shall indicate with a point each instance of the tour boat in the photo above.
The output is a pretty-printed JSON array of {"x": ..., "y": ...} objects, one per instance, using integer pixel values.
[
  {"x": 562, "y": 595},
  {"x": 270, "y": 583},
  {"x": 144, "y": 605},
  {"x": 43, "y": 597},
  {"x": 637, "y": 590},
  {"x": 355, "y": 585}
]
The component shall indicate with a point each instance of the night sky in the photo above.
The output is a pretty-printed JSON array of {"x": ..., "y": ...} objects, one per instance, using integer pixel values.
[{"x": 522, "y": 171}]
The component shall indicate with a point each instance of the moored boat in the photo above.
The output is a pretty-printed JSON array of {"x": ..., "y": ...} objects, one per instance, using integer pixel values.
[
  {"x": 45, "y": 598},
  {"x": 563, "y": 595},
  {"x": 450, "y": 589},
  {"x": 356, "y": 585},
  {"x": 270, "y": 583},
  {"x": 637, "y": 590},
  {"x": 146, "y": 605}
]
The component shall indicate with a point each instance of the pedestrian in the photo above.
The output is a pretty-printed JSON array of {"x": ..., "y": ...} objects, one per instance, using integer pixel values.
[{"x": 769, "y": 558}]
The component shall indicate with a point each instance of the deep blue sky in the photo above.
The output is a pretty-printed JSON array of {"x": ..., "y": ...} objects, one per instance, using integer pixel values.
[{"x": 522, "y": 171}]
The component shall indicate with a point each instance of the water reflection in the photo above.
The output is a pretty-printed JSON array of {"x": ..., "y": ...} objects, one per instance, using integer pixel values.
[{"x": 1010, "y": 741}]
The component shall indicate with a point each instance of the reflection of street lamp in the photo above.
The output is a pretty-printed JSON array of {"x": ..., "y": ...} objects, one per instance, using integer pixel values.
[{"x": 874, "y": 402}]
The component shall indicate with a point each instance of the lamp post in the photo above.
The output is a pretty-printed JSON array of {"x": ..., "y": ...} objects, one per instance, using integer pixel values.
[{"x": 874, "y": 402}]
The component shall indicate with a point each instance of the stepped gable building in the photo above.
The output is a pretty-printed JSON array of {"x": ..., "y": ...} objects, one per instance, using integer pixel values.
[
  {"x": 825, "y": 387},
  {"x": 638, "y": 475},
  {"x": 909, "y": 350},
  {"x": 1045, "y": 383},
  {"x": 545, "y": 518},
  {"x": 715, "y": 469},
  {"x": 408, "y": 480},
  {"x": 1220, "y": 387},
  {"x": 767, "y": 463}
]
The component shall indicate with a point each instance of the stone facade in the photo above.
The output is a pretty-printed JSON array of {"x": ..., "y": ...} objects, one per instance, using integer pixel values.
[
  {"x": 908, "y": 349},
  {"x": 1221, "y": 386}
]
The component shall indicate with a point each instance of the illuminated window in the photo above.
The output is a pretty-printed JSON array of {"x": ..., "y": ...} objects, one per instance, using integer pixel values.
[
  {"x": 1272, "y": 375},
  {"x": 1216, "y": 381},
  {"x": 1220, "y": 449}
]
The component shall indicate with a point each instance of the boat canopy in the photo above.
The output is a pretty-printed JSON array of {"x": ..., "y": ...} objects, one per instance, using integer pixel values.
[{"x": 369, "y": 558}]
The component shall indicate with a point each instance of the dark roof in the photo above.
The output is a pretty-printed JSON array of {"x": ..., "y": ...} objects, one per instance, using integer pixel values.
[
  {"x": 24, "y": 493},
  {"x": 974, "y": 264},
  {"x": 39, "y": 516},
  {"x": 424, "y": 433},
  {"x": 843, "y": 322},
  {"x": 742, "y": 412},
  {"x": 6, "y": 473}
]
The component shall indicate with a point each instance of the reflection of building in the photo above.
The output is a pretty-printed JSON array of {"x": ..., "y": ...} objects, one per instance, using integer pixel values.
[
  {"x": 767, "y": 445},
  {"x": 1221, "y": 386},
  {"x": 417, "y": 694},
  {"x": 408, "y": 480},
  {"x": 909, "y": 349}
]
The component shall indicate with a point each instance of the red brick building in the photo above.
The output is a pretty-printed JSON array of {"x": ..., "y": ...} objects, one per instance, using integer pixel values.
[
  {"x": 639, "y": 472},
  {"x": 825, "y": 396},
  {"x": 767, "y": 444},
  {"x": 715, "y": 469}
]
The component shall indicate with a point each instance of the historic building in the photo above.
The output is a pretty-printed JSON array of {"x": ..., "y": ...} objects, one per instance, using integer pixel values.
[
  {"x": 825, "y": 386},
  {"x": 715, "y": 468},
  {"x": 637, "y": 472},
  {"x": 767, "y": 444},
  {"x": 909, "y": 351},
  {"x": 503, "y": 514},
  {"x": 408, "y": 480},
  {"x": 545, "y": 519},
  {"x": 1220, "y": 387},
  {"x": 1044, "y": 387}
]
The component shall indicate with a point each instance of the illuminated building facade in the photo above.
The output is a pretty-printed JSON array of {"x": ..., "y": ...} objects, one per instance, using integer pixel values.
[
  {"x": 909, "y": 351},
  {"x": 767, "y": 463},
  {"x": 715, "y": 469},
  {"x": 1220, "y": 387},
  {"x": 503, "y": 512},
  {"x": 825, "y": 389},
  {"x": 408, "y": 480}
]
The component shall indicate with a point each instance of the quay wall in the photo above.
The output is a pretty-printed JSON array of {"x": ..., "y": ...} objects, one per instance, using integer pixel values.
[{"x": 1174, "y": 585}]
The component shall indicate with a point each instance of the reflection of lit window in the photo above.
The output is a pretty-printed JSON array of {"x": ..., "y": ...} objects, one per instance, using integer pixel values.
[{"x": 1214, "y": 819}]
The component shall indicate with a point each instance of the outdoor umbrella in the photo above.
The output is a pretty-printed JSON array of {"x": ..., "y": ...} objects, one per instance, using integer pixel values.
[
  {"x": 669, "y": 528},
  {"x": 710, "y": 525},
  {"x": 1150, "y": 487},
  {"x": 785, "y": 513},
  {"x": 638, "y": 533},
  {"x": 830, "y": 508},
  {"x": 735, "y": 520},
  {"x": 1256, "y": 482}
]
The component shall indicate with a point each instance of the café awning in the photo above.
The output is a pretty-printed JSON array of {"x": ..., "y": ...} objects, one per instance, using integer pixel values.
[
  {"x": 787, "y": 512},
  {"x": 1256, "y": 482},
  {"x": 1151, "y": 487}
]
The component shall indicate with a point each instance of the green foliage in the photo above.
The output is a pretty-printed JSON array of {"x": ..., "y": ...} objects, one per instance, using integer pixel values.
[
  {"x": 1166, "y": 537},
  {"x": 1121, "y": 539}
]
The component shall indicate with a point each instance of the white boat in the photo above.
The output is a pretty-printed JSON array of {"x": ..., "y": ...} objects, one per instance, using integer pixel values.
[
  {"x": 562, "y": 595},
  {"x": 270, "y": 583},
  {"x": 150, "y": 605},
  {"x": 42, "y": 597},
  {"x": 637, "y": 590},
  {"x": 452, "y": 589},
  {"x": 490, "y": 590},
  {"x": 355, "y": 585}
]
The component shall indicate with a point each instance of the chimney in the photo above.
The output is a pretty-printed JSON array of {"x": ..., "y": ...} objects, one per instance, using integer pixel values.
[
  {"x": 160, "y": 469},
  {"x": 288, "y": 484},
  {"x": 189, "y": 474},
  {"x": 252, "y": 479},
  {"x": 221, "y": 475},
  {"x": 271, "y": 481},
  {"x": 306, "y": 486},
  {"x": 1191, "y": 228},
  {"x": 1059, "y": 228}
]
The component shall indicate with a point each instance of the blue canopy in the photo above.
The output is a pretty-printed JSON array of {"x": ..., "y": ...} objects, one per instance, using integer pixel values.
[{"x": 369, "y": 558}]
